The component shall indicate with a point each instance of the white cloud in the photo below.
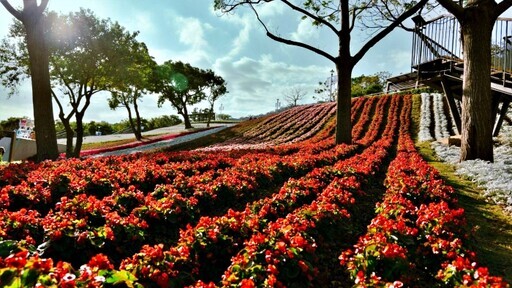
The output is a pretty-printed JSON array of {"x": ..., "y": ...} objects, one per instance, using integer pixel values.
[
  {"x": 271, "y": 9},
  {"x": 305, "y": 31},
  {"x": 191, "y": 32},
  {"x": 256, "y": 83}
]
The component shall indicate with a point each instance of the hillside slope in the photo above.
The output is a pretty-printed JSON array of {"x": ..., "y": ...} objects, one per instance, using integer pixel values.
[{"x": 294, "y": 210}]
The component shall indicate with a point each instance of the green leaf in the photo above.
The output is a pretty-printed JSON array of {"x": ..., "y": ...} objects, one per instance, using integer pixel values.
[
  {"x": 29, "y": 278},
  {"x": 7, "y": 276},
  {"x": 117, "y": 277},
  {"x": 7, "y": 247}
]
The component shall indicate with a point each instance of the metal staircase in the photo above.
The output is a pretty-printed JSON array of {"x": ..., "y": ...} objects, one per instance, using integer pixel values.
[{"x": 437, "y": 62}]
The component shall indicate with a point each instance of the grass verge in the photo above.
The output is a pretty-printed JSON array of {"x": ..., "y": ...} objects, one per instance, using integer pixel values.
[{"x": 490, "y": 227}]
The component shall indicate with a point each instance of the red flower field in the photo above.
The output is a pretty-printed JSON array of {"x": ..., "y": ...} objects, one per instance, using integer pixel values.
[{"x": 279, "y": 206}]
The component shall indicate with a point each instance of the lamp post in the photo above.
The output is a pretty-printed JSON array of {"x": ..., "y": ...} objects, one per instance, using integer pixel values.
[{"x": 330, "y": 86}]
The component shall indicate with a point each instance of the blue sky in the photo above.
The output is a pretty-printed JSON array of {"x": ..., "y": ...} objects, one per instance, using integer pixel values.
[{"x": 257, "y": 69}]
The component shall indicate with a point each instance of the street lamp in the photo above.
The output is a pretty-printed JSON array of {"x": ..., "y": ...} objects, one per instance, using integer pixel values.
[{"x": 332, "y": 80}]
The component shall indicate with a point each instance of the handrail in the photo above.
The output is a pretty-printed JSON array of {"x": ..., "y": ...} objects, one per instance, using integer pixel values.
[{"x": 440, "y": 37}]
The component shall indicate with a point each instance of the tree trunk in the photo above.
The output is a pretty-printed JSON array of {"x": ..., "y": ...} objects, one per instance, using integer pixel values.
[
  {"x": 186, "y": 118},
  {"x": 46, "y": 138},
  {"x": 138, "y": 132},
  {"x": 69, "y": 137},
  {"x": 476, "y": 136},
  {"x": 343, "y": 106},
  {"x": 79, "y": 135},
  {"x": 210, "y": 113}
]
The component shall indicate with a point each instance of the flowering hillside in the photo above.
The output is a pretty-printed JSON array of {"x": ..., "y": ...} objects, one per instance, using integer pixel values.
[{"x": 294, "y": 210}]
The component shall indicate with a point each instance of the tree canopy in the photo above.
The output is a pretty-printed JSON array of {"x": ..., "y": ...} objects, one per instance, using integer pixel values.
[
  {"x": 184, "y": 85},
  {"x": 87, "y": 55}
]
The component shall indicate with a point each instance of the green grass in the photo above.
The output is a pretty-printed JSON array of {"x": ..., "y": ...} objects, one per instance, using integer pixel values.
[{"x": 490, "y": 228}]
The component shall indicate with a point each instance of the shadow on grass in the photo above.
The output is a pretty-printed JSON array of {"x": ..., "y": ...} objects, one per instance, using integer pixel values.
[{"x": 490, "y": 228}]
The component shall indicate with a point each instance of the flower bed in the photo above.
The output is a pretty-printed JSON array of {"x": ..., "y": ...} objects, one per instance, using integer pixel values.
[
  {"x": 271, "y": 216},
  {"x": 418, "y": 233}
]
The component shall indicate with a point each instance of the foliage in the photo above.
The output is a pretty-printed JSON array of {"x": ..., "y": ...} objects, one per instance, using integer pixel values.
[
  {"x": 10, "y": 124},
  {"x": 103, "y": 127},
  {"x": 223, "y": 116},
  {"x": 366, "y": 85},
  {"x": 184, "y": 85},
  {"x": 163, "y": 121}
]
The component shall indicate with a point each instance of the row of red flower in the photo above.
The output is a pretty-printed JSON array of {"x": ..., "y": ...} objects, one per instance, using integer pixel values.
[
  {"x": 274, "y": 239},
  {"x": 77, "y": 218},
  {"x": 120, "y": 210},
  {"x": 284, "y": 252},
  {"x": 417, "y": 234}
]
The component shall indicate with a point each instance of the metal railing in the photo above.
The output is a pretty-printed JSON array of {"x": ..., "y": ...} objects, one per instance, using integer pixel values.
[{"x": 441, "y": 38}]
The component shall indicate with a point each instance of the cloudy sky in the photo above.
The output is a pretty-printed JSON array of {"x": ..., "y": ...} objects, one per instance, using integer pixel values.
[{"x": 257, "y": 69}]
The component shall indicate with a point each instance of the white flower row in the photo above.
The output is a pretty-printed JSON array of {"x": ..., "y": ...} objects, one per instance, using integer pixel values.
[
  {"x": 440, "y": 121},
  {"x": 425, "y": 118},
  {"x": 441, "y": 124},
  {"x": 493, "y": 177}
]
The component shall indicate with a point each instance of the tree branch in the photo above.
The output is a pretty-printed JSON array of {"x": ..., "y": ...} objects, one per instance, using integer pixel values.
[
  {"x": 291, "y": 42},
  {"x": 11, "y": 9},
  {"x": 452, "y": 7},
  {"x": 501, "y": 8},
  {"x": 387, "y": 30},
  {"x": 311, "y": 15},
  {"x": 227, "y": 8},
  {"x": 42, "y": 7}
]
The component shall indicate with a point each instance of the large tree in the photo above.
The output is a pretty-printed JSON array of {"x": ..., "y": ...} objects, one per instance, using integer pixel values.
[
  {"x": 134, "y": 69},
  {"x": 184, "y": 85},
  {"x": 339, "y": 17},
  {"x": 477, "y": 18},
  {"x": 85, "y": 55},
  {"x": 84, "y": 60},
  {"x": 31, "y": 16}
]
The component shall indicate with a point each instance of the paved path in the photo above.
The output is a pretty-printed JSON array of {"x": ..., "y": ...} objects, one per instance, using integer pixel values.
[
  {"x": 160, "y": 131},
  {"x": 164, "y": 143}
]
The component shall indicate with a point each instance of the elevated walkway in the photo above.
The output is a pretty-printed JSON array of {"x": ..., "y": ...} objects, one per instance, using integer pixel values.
[{"x": 437, "y": 63}]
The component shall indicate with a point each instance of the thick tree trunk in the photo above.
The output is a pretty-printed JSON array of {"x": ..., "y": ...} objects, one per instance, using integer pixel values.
[
  {"x": 79, "y": 135},
  {"x": 135, "y": 130},
  {"x": 69, "y": 136},
  {"x": 186, "y": 118},
  {"x": 46, "y": 138},
  {"x": 476, "y": 136},
  {"x": 343, "y": 123},
  {"x": 138, "y": 131}
]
